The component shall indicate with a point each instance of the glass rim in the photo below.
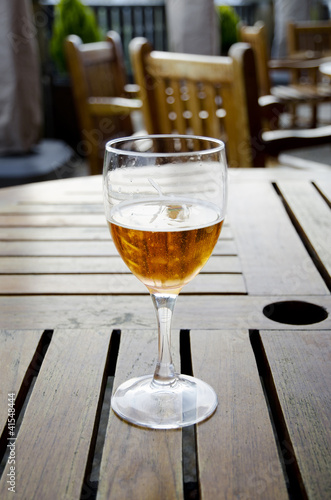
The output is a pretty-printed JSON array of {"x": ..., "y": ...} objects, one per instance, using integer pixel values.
[{"x": 111, "y": 145}]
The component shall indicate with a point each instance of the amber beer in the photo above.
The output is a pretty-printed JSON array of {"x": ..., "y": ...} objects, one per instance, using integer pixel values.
[{"x": 165, "y": 244}]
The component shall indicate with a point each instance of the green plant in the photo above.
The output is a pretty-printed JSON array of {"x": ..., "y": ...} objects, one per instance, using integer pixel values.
[
  {"x": 72, "y": 17},
  {"x": 228, "y": 26}
]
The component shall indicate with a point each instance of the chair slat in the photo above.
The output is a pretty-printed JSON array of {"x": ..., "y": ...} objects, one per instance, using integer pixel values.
[
  {"x": 212, "y": 122},
  {"x": 177, "y": 106},
  {"x": 162, "y": 110}
]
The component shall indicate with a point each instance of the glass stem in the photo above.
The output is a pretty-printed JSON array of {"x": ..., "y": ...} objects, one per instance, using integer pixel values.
[{"x": 164, "y": 306}]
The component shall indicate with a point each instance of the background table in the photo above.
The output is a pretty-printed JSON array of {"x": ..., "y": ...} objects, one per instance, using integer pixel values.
[
  {"x": 74, "y": 322},
  {"x": 325, "y": 68}
]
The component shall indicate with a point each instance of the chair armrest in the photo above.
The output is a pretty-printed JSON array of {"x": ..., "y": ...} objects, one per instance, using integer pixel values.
[
  {"x": 132, "y": 90},
  {"x": 271, "y": 108},
  {"x": 276, "y": 141},
  {"x": 270, "y": 105},
  {"x": 281, "y": 64},
  {"x": 105, "y": 106}
]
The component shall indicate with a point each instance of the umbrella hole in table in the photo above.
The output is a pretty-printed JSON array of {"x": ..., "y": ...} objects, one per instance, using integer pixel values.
[{"x": 295, "y": 312}]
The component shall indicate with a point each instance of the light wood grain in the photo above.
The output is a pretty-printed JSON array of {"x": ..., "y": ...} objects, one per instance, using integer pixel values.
[
  {"x": 274, "y": 260},
  {"x": 325, "y": 188},
  {"x": 56, "y": 432},
  {"x": 17, "y": 352},
  {"x": 241, "y": 422},
  {"x": 54, "y": 220},
  {"x": 114, "y": 264},
  {"x": 64, "y": 284},
  {"x": 64, "y": 273},
  {"x": 313, "y": 218},
  {"x": 39, "y": 208},
  {"x": 84, "y": 248},
  {"x": 110, "y": 311},
  {"x": 140, "y": 463},
  {"x": 69, "y": 233},
  {"x": 300, "y": 365}
]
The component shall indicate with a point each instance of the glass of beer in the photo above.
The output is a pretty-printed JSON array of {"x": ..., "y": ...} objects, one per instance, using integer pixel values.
[{"x": 165, "y": 200}]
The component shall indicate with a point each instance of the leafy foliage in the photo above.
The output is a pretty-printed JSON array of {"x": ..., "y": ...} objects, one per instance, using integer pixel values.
[
  {"x": 228, "y": 26},
  {"x": 72, "y": 17}
]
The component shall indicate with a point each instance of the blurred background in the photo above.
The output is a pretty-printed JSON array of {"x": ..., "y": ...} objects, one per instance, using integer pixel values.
[{"x": 36, "y": 98}]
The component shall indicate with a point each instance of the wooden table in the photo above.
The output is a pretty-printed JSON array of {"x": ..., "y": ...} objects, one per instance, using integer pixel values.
[
  {"x": 74, "y": 322},
  {"x": 325, "y": 69}
]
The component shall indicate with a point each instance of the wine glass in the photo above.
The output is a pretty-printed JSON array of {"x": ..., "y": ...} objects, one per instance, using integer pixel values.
[{"x": 165, "y": 200}]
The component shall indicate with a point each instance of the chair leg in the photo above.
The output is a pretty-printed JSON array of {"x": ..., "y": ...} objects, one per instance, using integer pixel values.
[
  {"x": 94, "y": 162},
  {"x": 314, "y": 115}
]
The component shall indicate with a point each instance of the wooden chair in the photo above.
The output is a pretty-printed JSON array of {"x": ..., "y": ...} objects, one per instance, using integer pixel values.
[
  {"x": 304, "y": 88},
  {"x": 310, "y": 39},
  {"x": 185, "y": 93},
  {"x": 214, "y": 96},
  {"x": 100, "y": 92}
]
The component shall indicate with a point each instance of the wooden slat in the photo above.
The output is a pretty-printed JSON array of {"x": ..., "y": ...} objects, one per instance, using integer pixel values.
[
  {"x": 70, "y": 190},
  {"x": 16, "y": 354},
  {"x": 54, "y": 233},
  {"x": 55, "y": 435},
  {"x": 83, "y": 248},
  {"x": 241, "y": 422},
  {"x": 325, "y": 189},
  {"x": 69, "y": 233},
  {"x": 64, "y": 265},
  {"x": 180, "y": 66},
  {"x": 110, "y": 311},
  {"x": 58, "y": 248},
  {"x": 301, "y": 374},
  {"x": 313, "y": 218},
  {"x": 212, "y": 123},
  {"x": 65, "y": 284},
  {"x": 165, "y": 123},
  {"x": 274, "y": 260},
  {"x": 52, "y": 208},
  {"x": 193, "y": 106},
  {"x": 139, "y": 463},
  {"x": 54, "y": 220},
  {"x": 86, "y": 265},
  {"x": 178, "y": 108}
]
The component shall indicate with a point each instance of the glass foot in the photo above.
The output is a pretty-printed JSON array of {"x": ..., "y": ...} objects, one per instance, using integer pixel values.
[{"x": 143, "y": 402}]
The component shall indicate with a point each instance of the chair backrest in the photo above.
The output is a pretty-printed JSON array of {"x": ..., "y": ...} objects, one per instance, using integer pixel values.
[
  {"x": 97, "y": 70},
  {"x": 202, "y": 95},
  {"x": 311, "y": 36},
  {"x": 256, "y": 36}
]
